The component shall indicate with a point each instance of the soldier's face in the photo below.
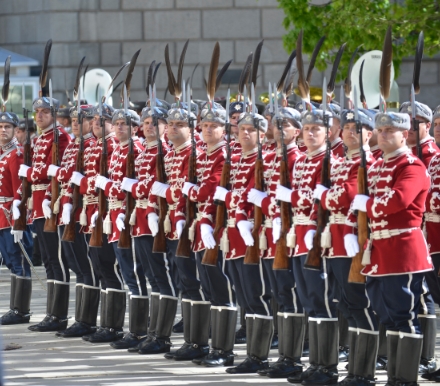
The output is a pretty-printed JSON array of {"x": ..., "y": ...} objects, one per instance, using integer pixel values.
[
  {"x": 313, "y": 136},
  {"x": 20, "y": 135},
  {"x": 351, "y": 138},
  {"x": 43, "y": 118},
  {"x": 335, "y": 129},
  {"x": 247, "y": 136},
  {"x": 76, "y": 127},
  {"x": 97, "y": 129},
  {"x": 121, "y": 130},
  {"x": 437, "y": 130},
  {"x": 423, "y": 131},
  {"x": 390, "y": 138},
  {"x": 212, "y": 132},
  {"x": 6, "y": 132},
  {"x": 233, "y": 120},
  {"x": 178, "y": 132},
  {"x": 150, "y": 130},
  {"x": 289, "y": 130}
]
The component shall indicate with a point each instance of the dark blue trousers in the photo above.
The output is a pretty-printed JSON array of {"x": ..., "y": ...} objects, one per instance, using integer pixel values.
[
  {"x": 131, "y": 269},
  {"x": 251, "y": 285},
  {"x": 215, "y": 281},
  {"x": 314, "y": 289},
  {"x": 12, "y": 255},
  {"x": 396, "y": 299}
]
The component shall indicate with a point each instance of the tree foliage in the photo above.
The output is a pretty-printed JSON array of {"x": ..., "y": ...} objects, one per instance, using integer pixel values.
[{"x": 362, "y": 22}]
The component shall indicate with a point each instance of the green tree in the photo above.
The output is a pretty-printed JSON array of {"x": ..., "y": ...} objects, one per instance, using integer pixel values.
[{"x": 362, "y": 22}]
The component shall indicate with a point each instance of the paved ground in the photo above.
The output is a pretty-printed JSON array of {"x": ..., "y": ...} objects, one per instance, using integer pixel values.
[{"x": 44, "y": 359}]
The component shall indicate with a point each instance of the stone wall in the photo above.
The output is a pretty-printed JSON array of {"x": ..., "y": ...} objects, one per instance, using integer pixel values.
[{"x": 108, "y": 32}]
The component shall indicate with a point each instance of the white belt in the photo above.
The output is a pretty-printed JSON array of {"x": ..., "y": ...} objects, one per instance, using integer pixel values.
[
  {"x": 143, "y": 204},
  {"x": 115, "y": 204},
  {"x": 90, "y": 200},
  {"x": 5, "y": 199},
  {"x": 231, "y": 223},
  {"x": 387, "y": 233},
  {"x": 337, "y": 218},
  {"x": 301, "y": 219},
  {"x": 172, "y": 207},
  {"x": 268, "y": 223},
  {"x": 432, "y": 217},
  {"x": 39, "y": 187}
]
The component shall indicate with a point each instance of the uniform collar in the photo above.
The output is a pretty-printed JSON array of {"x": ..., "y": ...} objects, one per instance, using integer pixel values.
[
  {"x": 428, "y": 138},
  {"x": 336, "y": 142},
  {"x": 316, "y": 152},
  {"x": 182, "y": 146},
  {"x": 249, "y": 153},
  {"x": 150, "y": 145},
  {"x": 396, "y": 153},
  {"x": 85, "y": 137},
  {"x": 290, "y": 146},
  {"x": 356, "y": 153},
  {"x": 9, "y": 146},
  {"x": 47, "y": 129},
  {"x": 215, "y": 147}
]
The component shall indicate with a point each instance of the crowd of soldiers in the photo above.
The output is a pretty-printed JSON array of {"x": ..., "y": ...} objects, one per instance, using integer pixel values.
[{"x": 401, "y": 258}]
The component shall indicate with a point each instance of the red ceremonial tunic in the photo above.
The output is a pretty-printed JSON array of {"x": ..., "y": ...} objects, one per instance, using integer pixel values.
[
  {"x": 146, "y": 174},
  {"x": 116, "y": 173},
  {"x": 429, "y": 149},
  {"x": 92, "y": 160},
  {"x": 41, "y": 159},
  {"x": 238, "y": 209},
  {"x": 337, "y": 199},
  {"x": 399, "y": 185},
  {"x": 432, "y": 214},
  {"x": 209, "y": 171},
  {"x": 269, "y": 146},
  {"x": 338, "y": 148},
  {"x": 376, "y": 152},
  {"x": 11, "y": 157}
]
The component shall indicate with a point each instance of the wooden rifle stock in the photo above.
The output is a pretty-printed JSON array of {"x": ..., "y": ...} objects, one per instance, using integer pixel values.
[
  {"x": 281, "y": 260},
  {"x": 50, "y": 225},
  {"x": 355, "y": 275},
  {"x": 313, "y": 260},
  {"x": 184, "y": 245},
  {"x": 125, "y": 235},
  {"x": 26, "y": 192},
  {"x": 159, "y": 243},
  {"x": 252, "y": 255}
]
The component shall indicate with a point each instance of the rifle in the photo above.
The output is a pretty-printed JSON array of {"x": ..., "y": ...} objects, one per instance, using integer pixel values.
[
  {"x": 184, "y": 245},
  {"x": 96, "y": 239},
  {"x": 50, "y": 225},
  {"x": 313, "y": 260},
  {"x": 26, "y": 193},
  {"x": 252, "y": 255},
  {"x": 69, "y": 229},
  {"x": 281, "y": 260},
  {"x": 356, "y": 267},
  {"x": 211, "y": 255},
  {"x": 125, "y": 235},
  {"x": 159, "y": 243}
]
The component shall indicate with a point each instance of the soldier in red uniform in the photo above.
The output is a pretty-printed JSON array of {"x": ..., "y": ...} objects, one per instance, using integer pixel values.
[
  {"x": 77, "y": 252},
  {"x": 291, "y": 318},
  {"x": 11, "y": 157},
  {"x": 313, "y": 285},
  {"x": 250, "y": 281},
  {"x": 399, "y": 255},
  {"x": 176, "y": 169},
  {"x": 352, "y": 301},
  {"x": 128, "y": 261},
  {"x": 57, "y": 272},
  {"x": 156, "y": 263},
  {"x": 214, "y": 279}
]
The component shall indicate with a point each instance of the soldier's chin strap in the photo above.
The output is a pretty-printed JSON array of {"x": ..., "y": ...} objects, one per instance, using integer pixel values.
[{"x": 25, "y": 253}]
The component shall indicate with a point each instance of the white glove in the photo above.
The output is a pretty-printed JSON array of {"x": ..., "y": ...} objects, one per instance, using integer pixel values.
[
  {"x": 52, "y": 170},
  {"x": 120, "y": 222},
  {"x": 245, "y": 228},
  {"x": 153, "y": 223},
  {"x": 351, "y": 244},
  {"x": 67, "y": 209},
  {"x": 46, "y": 208},
  {"x": 101, "y": 182},
  {"x": 93, "y": 219},
  {"x": 18, "y": 235},
  {"x": 360, "y": 202},
  {"x": 220, "y": 193},
  {"x": 15, "y": 210},
  {"x": 159, "y": 189},
  {"x": 283, "y": 193},
  {"x": 256, "y": 197},
  {"x": 76, "y": 178},
  {"x": 186, "y": 187},
  {"x": 308, "y": 239},
  {"x": 179, "y": 227},
  {"x": 207, "y": 237},
  {"x": 127, "y": 184},
  {"x": 276, "y": 229},
  {"x": 22, "y": 172},
  {"x": 319, "y": 190}
]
